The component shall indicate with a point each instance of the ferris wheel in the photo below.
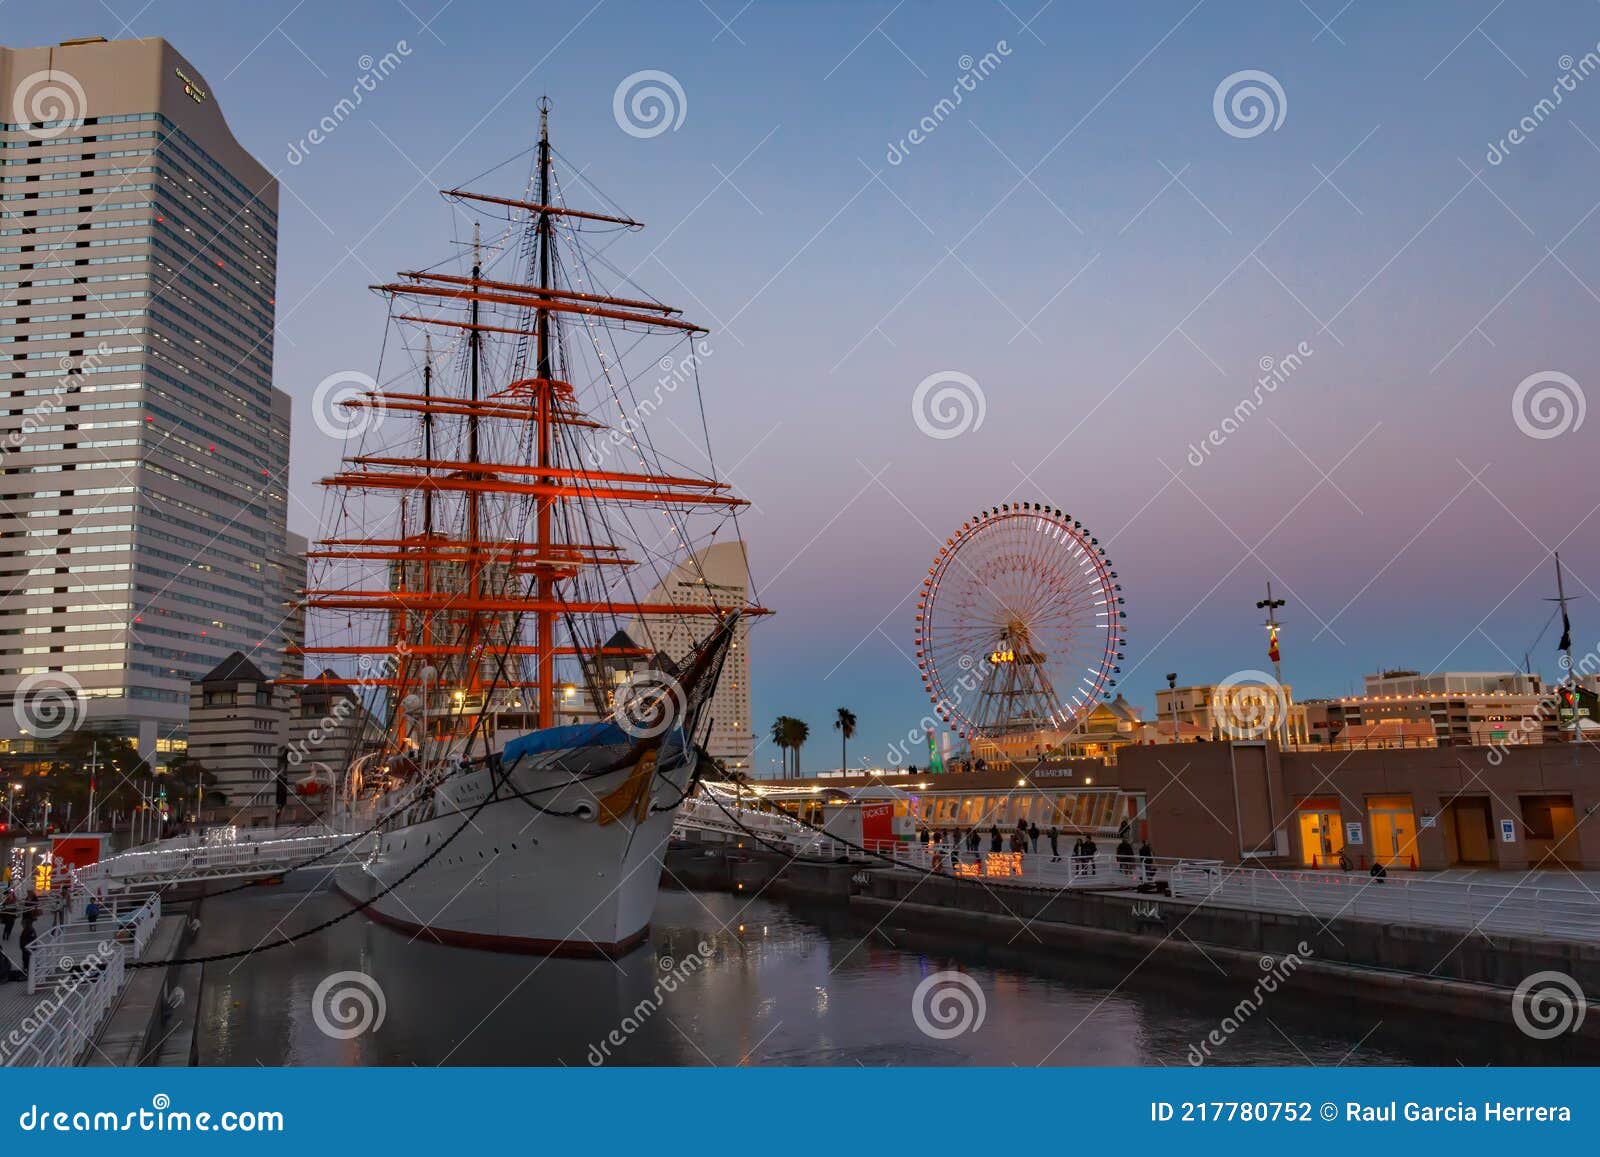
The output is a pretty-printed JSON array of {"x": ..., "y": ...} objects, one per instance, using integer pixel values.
[{"x": 1019, "y": 624}]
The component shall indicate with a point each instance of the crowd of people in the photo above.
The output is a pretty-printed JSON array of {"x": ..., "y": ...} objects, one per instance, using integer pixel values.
[
  {"x": 32, "y": 910},
  {"x": 948, "y": 846}
]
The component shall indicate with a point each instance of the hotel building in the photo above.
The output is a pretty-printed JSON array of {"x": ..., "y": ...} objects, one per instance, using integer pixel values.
[
  {"x": 1445, "y": 709},
  {"x": 716, "y": 576},
  {"x": 145, "y": 450}
]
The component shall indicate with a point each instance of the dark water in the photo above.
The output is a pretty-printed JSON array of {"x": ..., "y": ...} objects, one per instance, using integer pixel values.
[{"x": 777, "y": 986}]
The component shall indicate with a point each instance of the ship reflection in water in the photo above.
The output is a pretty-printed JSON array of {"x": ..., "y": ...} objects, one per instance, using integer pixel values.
[{"x": 771, "y": 988}]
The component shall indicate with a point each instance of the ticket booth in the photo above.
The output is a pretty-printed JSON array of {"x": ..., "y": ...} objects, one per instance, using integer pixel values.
[{"x": 80, "y": 849}]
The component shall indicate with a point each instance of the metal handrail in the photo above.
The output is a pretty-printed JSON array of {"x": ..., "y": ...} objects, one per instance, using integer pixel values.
[
  {"x": 67, "y": 948},
  {"x": 1515, "y": 906},
  {"x": 75, "y": 1011}
]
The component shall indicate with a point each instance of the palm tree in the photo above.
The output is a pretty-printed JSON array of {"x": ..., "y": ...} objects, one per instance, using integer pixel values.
[
  {"x": 780, "y": 736},
  {"x": 845, "y": 725},
  {"x": 799, "y": 732}
]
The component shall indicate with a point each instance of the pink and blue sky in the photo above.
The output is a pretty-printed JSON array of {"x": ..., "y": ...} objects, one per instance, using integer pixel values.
[{"x": 1081, "y": 237}]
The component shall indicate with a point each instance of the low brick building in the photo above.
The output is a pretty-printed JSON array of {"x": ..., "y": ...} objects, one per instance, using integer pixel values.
[{"x": 1434, "y": 807}]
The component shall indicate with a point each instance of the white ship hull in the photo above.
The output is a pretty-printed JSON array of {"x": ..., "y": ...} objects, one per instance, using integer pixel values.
[{"x": 578, "y": 877}]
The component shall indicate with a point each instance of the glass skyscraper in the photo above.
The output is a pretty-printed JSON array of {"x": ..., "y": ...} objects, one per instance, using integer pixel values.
[{"x": 143, "y": 449}]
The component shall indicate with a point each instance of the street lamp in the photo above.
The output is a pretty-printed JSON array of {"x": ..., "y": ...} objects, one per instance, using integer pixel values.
[{"x": 1172, "y": 693}]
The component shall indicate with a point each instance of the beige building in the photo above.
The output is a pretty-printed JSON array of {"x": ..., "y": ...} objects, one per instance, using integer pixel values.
[
  {"x": 717, "y": 576},
  {"x": 143, "y": 496},
  {"x": 1220, "y": 711},
  {"x": 238, "y": 728},
  {"x": 1444, "y": 709},
  {"x": 329, "y": 726}
]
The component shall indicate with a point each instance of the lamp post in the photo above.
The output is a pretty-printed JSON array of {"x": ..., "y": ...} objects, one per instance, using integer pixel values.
[{"x": 1172, "y": 693}]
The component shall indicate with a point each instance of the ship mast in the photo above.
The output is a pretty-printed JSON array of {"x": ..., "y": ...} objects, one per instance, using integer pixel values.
[
  {"x": 459, "y": 591},
  {"x": 545, "y": 620}
]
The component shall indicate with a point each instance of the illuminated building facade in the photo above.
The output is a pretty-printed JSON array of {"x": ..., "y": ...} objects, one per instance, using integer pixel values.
[{"x": 143, "y": 491}]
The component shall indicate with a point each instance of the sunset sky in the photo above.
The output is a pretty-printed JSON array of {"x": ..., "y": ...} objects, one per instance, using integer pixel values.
[{"x": 1082, "y": 237}]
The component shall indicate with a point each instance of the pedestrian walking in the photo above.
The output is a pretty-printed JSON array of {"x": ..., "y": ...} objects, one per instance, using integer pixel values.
[
  {"x": 1033, "y": 836},
  {"x": 1077, "y": 856},
  {"x": 994, "y": 838},
  {"x": 1125, "y": 856},
  {"x": 972, "y": 841},
  {"x": 8, "y": 914},
  {"x": 91, "y": 912}
]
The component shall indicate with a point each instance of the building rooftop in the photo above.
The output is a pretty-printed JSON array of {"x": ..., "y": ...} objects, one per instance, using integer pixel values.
[{"x": 234, "y": 669}]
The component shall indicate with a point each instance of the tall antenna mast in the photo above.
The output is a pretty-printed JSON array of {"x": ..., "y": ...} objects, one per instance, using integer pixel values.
[
  {"x": 1565, "y": 645},
  {"x": 1271, "y": 605}
]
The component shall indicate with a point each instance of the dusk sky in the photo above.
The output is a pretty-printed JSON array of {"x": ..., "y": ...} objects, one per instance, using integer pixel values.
[{"x": 1083, "y": 237}]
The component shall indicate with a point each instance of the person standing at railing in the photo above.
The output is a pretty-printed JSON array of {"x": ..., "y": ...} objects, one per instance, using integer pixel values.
[
  {"x": 1147, "y": 860},
  {"x": 8, "y": 913},
  {"x": 972, "y": 842},
  {"x": 1033, "y": 837},
  {"x": 1055, "y": 847},
  {"x": 1125, "y": 856},
  {"x": 1090, "y": 850},
  {"x": 994, "y": 838},
  {"x": 91, "y": 913},
  {"x": 1077, "y": 856},
  {"x": 25, "y": 942}
]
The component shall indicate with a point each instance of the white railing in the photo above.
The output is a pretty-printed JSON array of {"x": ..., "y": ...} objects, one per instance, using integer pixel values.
[
  {"x": 68, "y": 1018},
  {"x": 1036, "y": 868},
  {"x": 166, "y": 861},
  {"x": 67, "y": 949},
  {"x": 1513, "y": 906},
  {"x": 1103, "y": 870}
]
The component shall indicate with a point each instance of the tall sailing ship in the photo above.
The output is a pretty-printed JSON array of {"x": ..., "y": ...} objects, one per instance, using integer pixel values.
[{"x": 503, "y": 507}]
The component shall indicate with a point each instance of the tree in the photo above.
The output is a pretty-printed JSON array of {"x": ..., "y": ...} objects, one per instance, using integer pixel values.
[
  {"x": 112, "y": 762},
  {"x": 190, "y": 779},
  {"x": 799, "y": 732},
  {"x": 845, "y": 724},
  {"x": 780, "y": 736}
]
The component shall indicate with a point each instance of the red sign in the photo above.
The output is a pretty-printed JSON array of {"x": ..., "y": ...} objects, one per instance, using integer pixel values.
[
  {"x": 79, "y": 851},
  {"x": 877, "y": 824}
]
